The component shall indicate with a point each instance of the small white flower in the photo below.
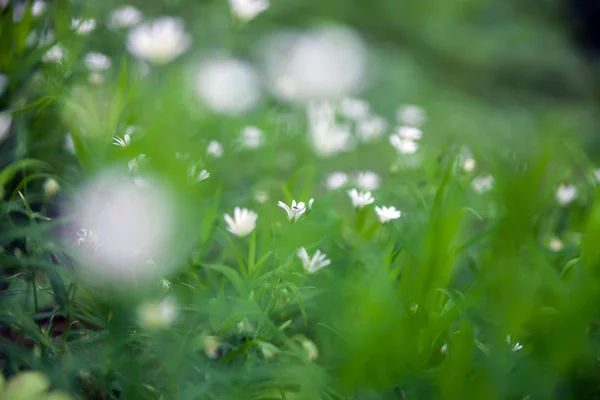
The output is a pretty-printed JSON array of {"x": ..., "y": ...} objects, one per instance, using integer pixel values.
[
  {"x": 312, "y": 264},
  {"x": 409, "y": 132},
  {"x": 37, "y": 8},
  {"x": 360, "y": 199},
  {"x": 444, "y": 348},
  {"x": 411, "y": 115},
  {"x": 370, "y": 128},
  {"x": 404, "y": 146},
  {"x": 83, "y": 26},
  {"x": 565, "y": 194},
  {"x": 196, "y": 176},
  {"x": 242, "y": 223},
  {"x": 228, "y": 86},
  {"x": 51, "y": 187},
  {"x": 336, "y": 180},
  {"x": 294, "y": 212},
  {"x": 310, "y": 203},
  {"x": 268, "y": 350},
  {"x": 157, "y": 315},
  {"x": 468, "y": 165},
  {"x": 252, "y": 137},
  {"x": 122, "y": 142},
  {"x": 482, "y": 184},
  {"x": 261, "y": 197},
  {"x": 355, "y": 109},
  {"x": 215, "y": 149},
  {"x": 124, "y": 17},
  {"x": 367, "y": 180},
  {"x": 5, "y": 122},
  {"x": 248, "y": 9},
  {"x": 159, "y": 41},
  {"x": 555, "y": 244},
  {"x": 54, "y": 54},
  {"x": 386, "y": 214},
  {"x": 514, "y": 347},
  {"x": 211, "y": 347},
  {"x": 309, "y": 348},
  {"x": 97, "y": 61}
]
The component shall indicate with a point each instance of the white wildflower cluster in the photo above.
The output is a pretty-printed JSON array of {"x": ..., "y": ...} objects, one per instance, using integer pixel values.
[
  {"x": 405, "y": 139},
  {"x": 196, "y": 173}
]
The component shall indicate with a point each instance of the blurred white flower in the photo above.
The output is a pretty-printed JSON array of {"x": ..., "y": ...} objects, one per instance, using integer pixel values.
[
  {"x": 157, "y": 315},
  {"x": 54, "y": 54},
  {"x": 197, "y": 176},
  {"x": 336, "y": 180},
  {"x": 409, "y": 132},
  {"x": 468, "y": 165},
  {"x": 555, "y": 244},
  {"x": 95, "y": 78},
  {"x": 294, "y": 212},
  {"x": 242, "y": 223},
  {"x": 83, "y": 26},
  {"x": 327, "y": 63},
  {"x": 261, "y": 197},
  {"x": 482, "y": 184},
  {"x": 403, "y": 146},
  {"x": 360, "y": 199},
  {"x": 215, "y": 149},
  {"x": 370, "y": 128},
  {"x": 328, "y": 140},
  {"x": 310, "y": 203},
  {"x": 268, "y": 350},
  {"x": 248, "y": 9},
  {"x": 211, "y": 347},
  {"x": 227, "y": 86},
  {"x": 159, "y": 41},
  {"x": 411, "y": 115},
  {"x": 386, "y": 214},
  {"x": 5, "y": 122},
  {"x": 37, "y": 8},
  {"x": 122, "y": 142},
  {"x": 124, "y": 17},
  {"x": 596, "y": 171},
  {"x": 97, "y": 61},
  {"x": 565, "y": 194},
  {"x": 69, "y": 144},
  {"x": 252, "y": 137},
  {"x": 51, "y": 187},
  {"x": 353, "y": 108},
  {"x": 367, "y": 180},
  {"x": 309, "y": 347},
  {"x": 133, "y": 225},
  {"x": 312, "y": 264}
]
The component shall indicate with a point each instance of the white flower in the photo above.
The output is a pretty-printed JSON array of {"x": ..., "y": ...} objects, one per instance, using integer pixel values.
[
  {"x": 360, "y": 199},
  {"x": 228, "y": 86},
  {"x": 370, "y": 128},
  {"x": 197, "y": 176},
  {"x": 51, "y": 187},
  {"x": 482, "y": 184},
  {"x": 248, "y": 9},
  {"x": 215, "y": 149},
  {"x": 5, "y": 122},
  {"x": 211, "y": 347},
  {"x": 54, "y": 54},
  {"x": 409, "y": 132},
  {"x": 355, "y": 109},
  {"x": 468, "y": 165},
  {"x": 37, "y": 8},
  {"x": 294, "y": 212},
  {"x": 261, "y": 197},
  {"x": 159, "y": 41},
  {"x": 124, "y": 17},
  {"x": 310, "y": 203},
  {"x": 252, "y": 137},
  {"x": 327, "y": 63},
  {"x": 386, "y": 214},
  {"x": 157, "y": 315},
  {"x": 555, "y": 244},
  {"x": 97, "y": 61},
  {"x": 309, "y": 347},
  {"x": 328, "y": 138},
  {"x": 336, "y": 180},
  {"x": 403, "y": 146},
  {"x": 367, "y": 180},
  {"x": 312, "y": 264},
  {"x": 565, "y": 194},
  {"x": 83, "y": 26},
  {"x": 514, "y": 347},
  {"x": 410, "y": 115},
  {"x": 122, "y": 142},
  {"x": 242, "y": 223}
]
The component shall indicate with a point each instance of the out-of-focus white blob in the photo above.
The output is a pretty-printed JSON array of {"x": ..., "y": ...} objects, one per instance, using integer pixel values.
[
  {"x": 69, "y": 144},
  {"x": 37, "y": 8},
  {"x": 248, "y": 9},
  {"x": 157, "y": 315},
  {"x": 403, "y": 146},
  {"x": 5, "y": 121},
  {"x": 83, "y": 26},
  {"x": 327, "y": 63},
  {"x": 3, "y": 4},
  {"x": 482, "y": 184},
  {"x": 131, "y": 225},
  {"x": 215, "y": 149},
  {"x": 411, "y": 115},
  {"x": 367, "y": 180},
  {"x": 370, "y": 128},
  {"x": 328, "y": 137},
  {"x": 227, "y": 86},
  {"x": 97, "y": 61},
  {"x": 336, "y": 180},
  {"x": 252, "y": 137},
  {"x": 355, "y": 109},
  {"x": 565, "y": 194},
  {"x": 124, "y": 17},
  {"x": 96, "y": 78},
  {"x": 159, "y": 41},
  {"x": 55, "y": 54},
  {"x": 409, "y": 133}
]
